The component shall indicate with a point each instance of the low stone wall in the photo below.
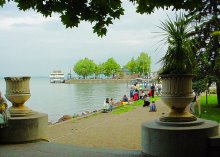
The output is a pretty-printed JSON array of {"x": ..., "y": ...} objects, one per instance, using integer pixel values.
[{"x": 73, "y": 81}]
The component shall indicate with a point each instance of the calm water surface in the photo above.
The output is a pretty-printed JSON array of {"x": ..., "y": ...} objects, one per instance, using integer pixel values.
[{"x": 59, "y": 99}]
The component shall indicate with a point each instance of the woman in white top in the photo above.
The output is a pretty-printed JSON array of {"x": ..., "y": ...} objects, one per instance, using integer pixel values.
[{"x": 106, "y": 105}]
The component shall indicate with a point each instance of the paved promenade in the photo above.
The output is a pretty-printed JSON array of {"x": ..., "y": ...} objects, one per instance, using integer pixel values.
[
  {"x": 106, "y": 130},
  {"x": 103, "y": 135}
]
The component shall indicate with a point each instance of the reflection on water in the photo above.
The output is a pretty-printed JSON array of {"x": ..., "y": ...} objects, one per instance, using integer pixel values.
[{"x": 59, "y": 99}]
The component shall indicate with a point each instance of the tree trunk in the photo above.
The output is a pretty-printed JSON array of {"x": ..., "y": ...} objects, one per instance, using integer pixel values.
[
  {"x": 218, "y": 93},
  {"x": 206, "y": 97}
]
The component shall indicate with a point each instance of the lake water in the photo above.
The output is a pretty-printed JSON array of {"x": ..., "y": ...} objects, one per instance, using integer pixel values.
[{"x": 68, "y": 99}]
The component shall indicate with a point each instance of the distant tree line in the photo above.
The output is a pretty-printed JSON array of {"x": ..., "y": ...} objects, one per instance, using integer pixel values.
[{"x": 87, "y": 67}]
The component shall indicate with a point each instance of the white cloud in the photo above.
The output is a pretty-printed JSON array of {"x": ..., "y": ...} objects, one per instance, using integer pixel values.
[
  {"x": 132, "y": 42},
  {"x": 10, "y": 22}
]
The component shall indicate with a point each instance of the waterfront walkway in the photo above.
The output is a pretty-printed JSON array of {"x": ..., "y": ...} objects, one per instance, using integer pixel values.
[
  {"x": 106, "y": 130},
  {"x": 102, "y": 135}
]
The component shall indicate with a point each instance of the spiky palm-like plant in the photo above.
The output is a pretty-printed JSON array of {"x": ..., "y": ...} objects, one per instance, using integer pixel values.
[{"x": 179, "y": 58}]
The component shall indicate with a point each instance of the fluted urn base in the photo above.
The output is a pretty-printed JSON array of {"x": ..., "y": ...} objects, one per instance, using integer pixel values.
[
  {"x": 178, "y": 116},
  {"x": 18, "y": 107},
  {"x": 18, "y": 111}
]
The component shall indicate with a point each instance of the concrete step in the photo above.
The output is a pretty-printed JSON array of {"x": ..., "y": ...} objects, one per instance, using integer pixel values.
[{"x": 48, "y": 149}]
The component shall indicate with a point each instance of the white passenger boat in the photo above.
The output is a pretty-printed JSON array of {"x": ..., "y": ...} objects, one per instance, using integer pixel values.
[{"x": 57, "y": 76}]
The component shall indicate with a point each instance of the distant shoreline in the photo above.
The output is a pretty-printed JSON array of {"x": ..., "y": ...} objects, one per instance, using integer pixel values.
[{"x": 73, "y": 81}]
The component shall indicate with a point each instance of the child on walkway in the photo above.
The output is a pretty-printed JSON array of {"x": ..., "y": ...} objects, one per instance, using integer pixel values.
[{"x": 153, "y": 107}]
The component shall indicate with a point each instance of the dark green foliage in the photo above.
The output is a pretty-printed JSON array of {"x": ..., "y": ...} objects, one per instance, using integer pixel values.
[
  {"x": 207, "y": 39},
  {"x": 2, "y": 2},
  {"x": 148, "y": 6},
  {"x": 101, "y": 13},
  {"x": 199, "y": 86}
]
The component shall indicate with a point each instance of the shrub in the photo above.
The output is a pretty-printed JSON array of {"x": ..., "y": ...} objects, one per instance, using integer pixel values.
[{"x": 212, "y": 90}]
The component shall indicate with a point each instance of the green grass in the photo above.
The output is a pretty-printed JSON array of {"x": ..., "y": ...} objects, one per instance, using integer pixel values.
[
  {"x": 125, "y": 108},
  {"x": 209, "y": 111},
  {"x": 122, "y": 109},
  {"x": 212, "y": 100}
]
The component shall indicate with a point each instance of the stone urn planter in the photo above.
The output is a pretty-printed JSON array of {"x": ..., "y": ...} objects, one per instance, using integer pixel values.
[
  {"x": 177, "y": 94},
  {"x": 18, "y": 92}
]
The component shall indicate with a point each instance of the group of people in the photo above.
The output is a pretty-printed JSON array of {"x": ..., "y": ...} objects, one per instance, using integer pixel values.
[
  {"x": 134, "y": 92},
  {"x": 108, "y": 105},
  {"x": 148, "y": 103},
  {"x": 136, "y": 95}
]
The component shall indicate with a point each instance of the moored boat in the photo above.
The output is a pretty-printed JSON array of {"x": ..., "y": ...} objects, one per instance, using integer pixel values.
[{"x": 57, "y": 76}]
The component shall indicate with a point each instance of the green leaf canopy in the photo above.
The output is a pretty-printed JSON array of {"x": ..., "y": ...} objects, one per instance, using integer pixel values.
[
  {"x": 84, "y": 67},
  {"x": 100, "y": 13}
]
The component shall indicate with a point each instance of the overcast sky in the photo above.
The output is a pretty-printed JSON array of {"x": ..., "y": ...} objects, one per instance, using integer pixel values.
[{"x": 35, "y": 46}]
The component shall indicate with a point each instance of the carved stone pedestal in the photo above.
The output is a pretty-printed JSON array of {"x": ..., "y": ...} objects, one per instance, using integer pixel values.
[
  {"x": 177, "y": 139},
  {"x": 25, "y": 129}
]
